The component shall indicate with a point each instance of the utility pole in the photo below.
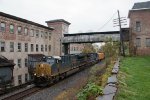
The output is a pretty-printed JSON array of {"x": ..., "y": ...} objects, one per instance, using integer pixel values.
[{"x": 119, "y": 21}]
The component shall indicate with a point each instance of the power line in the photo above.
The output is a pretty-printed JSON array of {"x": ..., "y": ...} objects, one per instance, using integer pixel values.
[{"x": 107, "y": 22}]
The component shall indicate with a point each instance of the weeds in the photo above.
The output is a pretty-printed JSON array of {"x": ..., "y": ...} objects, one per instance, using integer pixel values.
[{"x": 91, "y": 89}]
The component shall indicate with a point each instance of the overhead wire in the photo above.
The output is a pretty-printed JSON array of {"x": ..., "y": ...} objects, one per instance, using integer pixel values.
[{"x": 107, "y": 22}]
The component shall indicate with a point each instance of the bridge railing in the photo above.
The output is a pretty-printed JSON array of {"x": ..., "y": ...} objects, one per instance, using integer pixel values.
[{"x": 90, "y": 38}]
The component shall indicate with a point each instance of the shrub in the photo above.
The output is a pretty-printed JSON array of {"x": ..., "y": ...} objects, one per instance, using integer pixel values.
[{"x": 91, "y": 89}]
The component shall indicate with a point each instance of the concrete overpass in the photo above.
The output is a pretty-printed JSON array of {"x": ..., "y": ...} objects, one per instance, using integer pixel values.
[{"x": 93, "y": 37}]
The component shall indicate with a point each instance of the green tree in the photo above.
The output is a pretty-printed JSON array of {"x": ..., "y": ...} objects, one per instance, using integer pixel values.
[
  {"x": 88, "y": 48},
  {"x": 111, "y": 49}
]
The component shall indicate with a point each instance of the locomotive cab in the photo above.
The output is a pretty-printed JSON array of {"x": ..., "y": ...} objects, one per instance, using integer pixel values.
[{"x": 45, "y": 70}]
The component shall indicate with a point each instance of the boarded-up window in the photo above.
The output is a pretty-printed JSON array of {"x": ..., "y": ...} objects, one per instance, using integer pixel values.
[
  {"x": 138, "y": 26},
  {"x": 138, "y": 42},
  {"x": 147, "y": 42}
]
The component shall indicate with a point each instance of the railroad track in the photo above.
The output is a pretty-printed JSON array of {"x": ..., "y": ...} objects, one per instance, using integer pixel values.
[
  {"x": 31, "y": 91},
  {"x": 23, "y": 94}
]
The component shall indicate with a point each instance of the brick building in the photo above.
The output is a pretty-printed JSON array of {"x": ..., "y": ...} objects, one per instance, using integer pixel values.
[
  {"x": 20, "y": 37},
  {"x": 140, "y": 28},
  {"x": 76, "y": 48},
  {"x": 60, "y": 28}
]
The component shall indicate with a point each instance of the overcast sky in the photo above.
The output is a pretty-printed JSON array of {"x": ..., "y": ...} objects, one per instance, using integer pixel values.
[{"x": 84, "y": 15}]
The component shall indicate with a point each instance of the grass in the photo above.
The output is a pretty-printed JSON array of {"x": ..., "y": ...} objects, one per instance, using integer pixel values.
[
  {"x": 98, "y": 77},
  {"x": 103, "y": 78},
  {"x": 134, "y": 79}
]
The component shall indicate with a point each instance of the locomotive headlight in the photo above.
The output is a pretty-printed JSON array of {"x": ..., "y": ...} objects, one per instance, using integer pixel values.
[
  {"x": 34, "y": 74},
  {"x": 42, "y": 74}
]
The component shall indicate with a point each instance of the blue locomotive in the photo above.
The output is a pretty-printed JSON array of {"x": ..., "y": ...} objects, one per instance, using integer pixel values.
[{"x": 53, "y": 68}]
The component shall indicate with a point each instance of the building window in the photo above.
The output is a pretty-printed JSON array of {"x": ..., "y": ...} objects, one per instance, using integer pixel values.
[
  {"x": 25, "y": 31},
  {"x": 138, "y": 26},
  {"x": 37, "y": 48},
  {"x": 11, "y": 28},
  {"x": 45, "y": 47},
  {"x": 71, "y": 48},
  {"x": 26, "y": 47},
  {"x": 26, "y": 77},
  {"x": 11, "y": 46},
  {"x": 2, "y": 46},
  {"x": 37, "y": 33},
  {"x": 42, "y": 47},
  {"x": 19, "y": 79},
  {"x": 32, "y": 47},
  {"x": 46, "y": 35},
  {"x": 19, "y": 47},
  {"x": 138, "y": 42},
  {"x": 147, "y": 42},
  {"x": 41, "y": 33},
  {"x": 19, "y": 63},
  {"x": 26, "y": 62},
  {"x": 32, "y": 32},
  {"x": 3, "y": 27},
  {"x": 49, "y": 36},
  {"x": 19, "y": 29},
  {"x": 74, "y": 49},
  {"x": 49, "y": 47},
  {"x": 77, "y": 48}
]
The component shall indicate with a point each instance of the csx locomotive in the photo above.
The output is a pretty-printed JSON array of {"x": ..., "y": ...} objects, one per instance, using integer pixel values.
[{"x": 53, "y": 68}]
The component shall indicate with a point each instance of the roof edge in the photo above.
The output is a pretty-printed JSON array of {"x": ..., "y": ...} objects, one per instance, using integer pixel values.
[
  {"x": 24, "y": 20},
  {"x": 58, "y": 20}
]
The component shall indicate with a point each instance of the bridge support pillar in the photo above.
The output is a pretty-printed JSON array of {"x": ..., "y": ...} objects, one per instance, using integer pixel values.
[{"x": 66, "y": 49}]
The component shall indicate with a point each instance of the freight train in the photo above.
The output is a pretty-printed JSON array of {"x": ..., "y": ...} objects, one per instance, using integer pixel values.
[{"x": 54, "y": 68}]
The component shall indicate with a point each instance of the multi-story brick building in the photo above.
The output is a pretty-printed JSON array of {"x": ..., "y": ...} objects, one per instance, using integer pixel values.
[
  {"x": 140, "y": 29},
  {"x": 60, "y": 28},
  {"x": 76, "y": 48},
  {"x": 20, "y": 37}
]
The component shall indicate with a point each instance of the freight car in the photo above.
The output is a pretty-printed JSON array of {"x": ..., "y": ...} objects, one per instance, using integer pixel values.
[
  {"x": 53, "y": 68},
  {"x": 6, "y": 73},
  {"x": 101, "y": 56}
]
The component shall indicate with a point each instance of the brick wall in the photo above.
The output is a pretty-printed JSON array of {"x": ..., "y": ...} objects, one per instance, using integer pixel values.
[
  {"x": 8, "y": 37},
  {"x": 142, "y": 16},
  {"x": 60, "y": 28}
]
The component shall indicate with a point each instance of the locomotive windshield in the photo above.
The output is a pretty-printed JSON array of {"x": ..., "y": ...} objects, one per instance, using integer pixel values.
[{"x": 51, "y": 61}]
